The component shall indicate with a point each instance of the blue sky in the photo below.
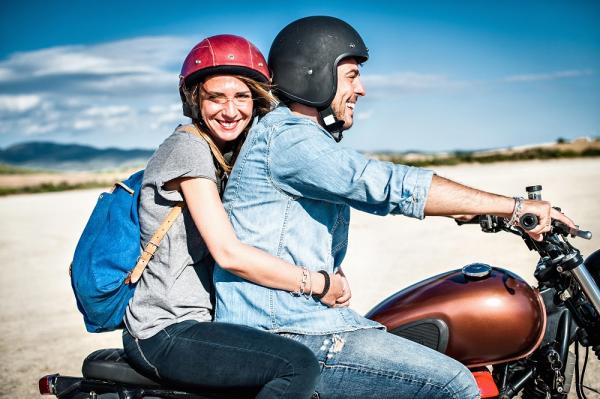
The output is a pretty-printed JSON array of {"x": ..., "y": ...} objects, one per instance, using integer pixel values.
[{"x": 442, "y": 75}]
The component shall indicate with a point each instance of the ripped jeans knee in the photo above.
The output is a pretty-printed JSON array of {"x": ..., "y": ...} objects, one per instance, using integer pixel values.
[{"x": 374, "y": 363}]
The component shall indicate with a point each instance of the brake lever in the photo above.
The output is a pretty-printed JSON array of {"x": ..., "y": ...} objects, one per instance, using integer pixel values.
[
  {"x": 491, "y": 223},
  {"x": 563, "y": 229},
  {"x": 473, "y": 220}
]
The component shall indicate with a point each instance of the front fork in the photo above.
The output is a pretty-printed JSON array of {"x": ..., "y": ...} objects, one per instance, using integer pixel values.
[
  {"x": 588, "y": 285},
  {"x": 549, "y": 369}
]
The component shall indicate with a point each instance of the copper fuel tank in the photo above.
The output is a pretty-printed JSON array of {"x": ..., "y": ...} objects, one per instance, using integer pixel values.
[{"x": 477, "y": 319}]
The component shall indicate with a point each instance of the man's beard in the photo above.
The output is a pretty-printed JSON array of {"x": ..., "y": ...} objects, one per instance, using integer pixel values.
[{"x": 340, "y": 112}]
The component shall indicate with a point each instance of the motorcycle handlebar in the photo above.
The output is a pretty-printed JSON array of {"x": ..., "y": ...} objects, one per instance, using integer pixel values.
[{"x": 528, "y": 222}]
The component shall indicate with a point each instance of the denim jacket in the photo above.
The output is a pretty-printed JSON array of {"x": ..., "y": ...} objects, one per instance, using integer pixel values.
[{"x": 290, "y": 194}]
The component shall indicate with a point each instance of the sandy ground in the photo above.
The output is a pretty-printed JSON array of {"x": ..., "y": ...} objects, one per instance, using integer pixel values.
[
  {"x": 41, "y": 331},
  {"x": 71, "y": 178}
]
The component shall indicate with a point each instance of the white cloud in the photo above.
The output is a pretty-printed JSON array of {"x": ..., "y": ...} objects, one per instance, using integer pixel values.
[
  {"x": 19, "y": 103},
  {"x": 6, "y": 74},
  {"x": 134, "y": 84},
  {"x": 165, "y": 116},
  {"x": 103, "y": 88},
  {"x": 170, "y": 108},
  {"x": 144, "y": 56},
  {"x": 102, "y": 117},
  {"x": 83, "y": 124},
  {"x": 111, "y": 110},
  {"x": 364, "y": 115},
  {"x": 532, "y": 77},
  {"x": 74, "y": 60},
  {"x": 410, "y": 81},
  {"x": 38, "y": 129},
  {"x": 45, "y": 117}
]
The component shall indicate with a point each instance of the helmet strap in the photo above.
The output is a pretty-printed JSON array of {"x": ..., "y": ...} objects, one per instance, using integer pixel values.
[
  {"x": 190, "y": 109},
  {"x": 196, "y": 113},
  {"x": 187, "y": 110},
  {"x": 331, "y": 123}
]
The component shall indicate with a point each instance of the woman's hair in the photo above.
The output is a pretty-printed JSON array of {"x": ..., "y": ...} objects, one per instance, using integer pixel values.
[{"x": 263, "y": 102}]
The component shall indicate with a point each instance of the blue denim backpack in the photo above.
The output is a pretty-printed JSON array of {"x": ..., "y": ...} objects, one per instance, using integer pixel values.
[{"x": 108, "y": 259}]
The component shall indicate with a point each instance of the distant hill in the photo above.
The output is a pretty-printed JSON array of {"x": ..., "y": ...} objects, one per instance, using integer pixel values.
[
  {"x": 54, "y": 156},
  {"x": 561, "y": 148},
  {"x": 49, "y": 156}
]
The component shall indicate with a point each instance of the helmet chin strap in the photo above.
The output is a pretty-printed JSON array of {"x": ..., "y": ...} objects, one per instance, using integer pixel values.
[{"x": 332, "y": 124}]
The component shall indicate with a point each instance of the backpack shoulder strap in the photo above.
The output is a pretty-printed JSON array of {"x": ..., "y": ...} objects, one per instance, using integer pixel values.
[
  {"x": 153, "y": 244},
  {"x": 160, "y": 233},
  {"x": 190, "y": 128}
]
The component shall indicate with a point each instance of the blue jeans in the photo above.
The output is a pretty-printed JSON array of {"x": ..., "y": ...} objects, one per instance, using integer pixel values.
[
  {"x": 376, "y": 364},
  {"x": 223, "y": 356}
]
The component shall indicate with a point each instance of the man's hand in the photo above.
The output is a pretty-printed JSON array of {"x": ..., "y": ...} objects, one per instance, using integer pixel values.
[
  {"x": 449, "y": 198},
  {"x": 545, "y": 213}
]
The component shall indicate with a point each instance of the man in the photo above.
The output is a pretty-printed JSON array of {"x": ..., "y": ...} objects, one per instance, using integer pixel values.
[{"x": 290, "y": 194}]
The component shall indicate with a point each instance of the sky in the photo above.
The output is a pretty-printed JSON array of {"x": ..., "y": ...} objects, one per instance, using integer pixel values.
[{"x": 442, "y": 75}]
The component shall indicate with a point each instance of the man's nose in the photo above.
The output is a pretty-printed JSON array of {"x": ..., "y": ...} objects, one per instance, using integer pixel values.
[{"x": 358, "y": 87}]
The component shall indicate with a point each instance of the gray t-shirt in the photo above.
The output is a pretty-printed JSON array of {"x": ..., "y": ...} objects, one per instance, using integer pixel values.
[{"x": 177, "y": 283}]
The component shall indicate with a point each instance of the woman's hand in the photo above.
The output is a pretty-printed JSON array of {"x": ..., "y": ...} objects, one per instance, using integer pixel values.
[
  {"x": 344, "y": 300},
  {"x": 336, "y": 288}
]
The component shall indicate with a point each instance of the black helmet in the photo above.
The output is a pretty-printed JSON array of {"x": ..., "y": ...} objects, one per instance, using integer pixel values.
[{"x": 304, "y": 58}]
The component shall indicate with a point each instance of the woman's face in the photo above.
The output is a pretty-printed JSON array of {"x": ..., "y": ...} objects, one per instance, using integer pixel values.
[{"x": 226, "y": 107}]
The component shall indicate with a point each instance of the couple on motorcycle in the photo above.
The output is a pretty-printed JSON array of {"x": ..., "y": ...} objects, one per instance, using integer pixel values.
[{"x": 280, "y": 320}]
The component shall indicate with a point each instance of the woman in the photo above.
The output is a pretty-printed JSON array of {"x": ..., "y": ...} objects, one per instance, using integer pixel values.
[{"x": 169, "y": 336}]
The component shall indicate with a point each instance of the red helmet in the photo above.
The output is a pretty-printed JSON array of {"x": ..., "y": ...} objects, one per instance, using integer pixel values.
[{"x": 221, "y": 54}]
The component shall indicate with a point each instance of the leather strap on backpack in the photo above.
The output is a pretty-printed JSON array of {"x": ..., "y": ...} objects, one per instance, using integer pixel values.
[
  {"x": 134, "y": 275},
  {"x": 191, "y": 129},
  {"x": 152, "y": 245}
]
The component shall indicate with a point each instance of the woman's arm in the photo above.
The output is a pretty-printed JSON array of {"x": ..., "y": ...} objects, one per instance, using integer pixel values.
[{"x": 202, "y": 199}]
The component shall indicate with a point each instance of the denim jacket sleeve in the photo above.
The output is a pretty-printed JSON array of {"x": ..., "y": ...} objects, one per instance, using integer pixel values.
[{"x": 305, "y": 161}]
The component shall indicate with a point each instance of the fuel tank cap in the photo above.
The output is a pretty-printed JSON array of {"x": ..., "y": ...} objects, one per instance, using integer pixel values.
[{"x": 477, "y": 270}]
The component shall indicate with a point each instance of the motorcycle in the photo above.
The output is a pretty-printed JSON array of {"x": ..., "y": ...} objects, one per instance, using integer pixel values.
[
  {"x": 487, "y": 317},
  {"x": 513, "y": 337}
]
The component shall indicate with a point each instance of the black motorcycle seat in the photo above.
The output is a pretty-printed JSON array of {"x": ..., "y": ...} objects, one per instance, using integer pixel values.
[{"x": 111, "y": 364}]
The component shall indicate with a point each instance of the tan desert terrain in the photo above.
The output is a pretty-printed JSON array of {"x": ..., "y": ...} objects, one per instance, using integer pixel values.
[
  {"x": 71, "y": 178},
  {"x": 41, "y": 331}
]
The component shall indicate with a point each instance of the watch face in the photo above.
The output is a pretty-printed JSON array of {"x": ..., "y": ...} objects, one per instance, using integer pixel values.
[{"x": 478, "y": 270}]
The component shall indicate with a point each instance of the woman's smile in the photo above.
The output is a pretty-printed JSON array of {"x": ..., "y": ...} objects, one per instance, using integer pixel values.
[{"x": 226, "y": 107}]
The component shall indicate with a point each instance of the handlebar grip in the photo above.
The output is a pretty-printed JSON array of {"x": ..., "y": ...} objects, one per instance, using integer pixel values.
[
  {"x": 475, "y": 220},
  {"x": 528, "y": 221},
  {"x": 581, "y": 233}
]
